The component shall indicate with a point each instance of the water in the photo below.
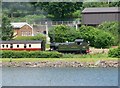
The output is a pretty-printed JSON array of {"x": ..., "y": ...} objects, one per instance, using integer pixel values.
[{"x": 60, "y": 76}]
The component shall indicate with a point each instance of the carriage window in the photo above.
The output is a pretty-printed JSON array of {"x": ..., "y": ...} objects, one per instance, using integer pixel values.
[
  {"x": 3, "y": 46},
  {"x": 17, "y": 46},
  {"x": 29, "y": 45},
  {"x": 7, "y": 46},
  {"x": 25, "y": 46},
  {"x": 11, "y": 45}
]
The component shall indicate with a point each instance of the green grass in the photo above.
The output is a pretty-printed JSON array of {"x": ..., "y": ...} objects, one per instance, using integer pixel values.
[
  {"x": 55, "y": 59},
  {"x": 98, "y": 55},
  {"x": 66, "y": 58}
]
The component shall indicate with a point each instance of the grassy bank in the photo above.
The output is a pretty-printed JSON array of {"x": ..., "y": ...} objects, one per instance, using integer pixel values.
[{"x": 55, "y": 59}]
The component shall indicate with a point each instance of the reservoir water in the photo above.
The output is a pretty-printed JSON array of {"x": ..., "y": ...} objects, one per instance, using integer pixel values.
[{"x": 59, "y": 76}]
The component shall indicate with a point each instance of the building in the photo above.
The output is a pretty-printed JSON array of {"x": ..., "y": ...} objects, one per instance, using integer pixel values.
[
  {"x": 95, "y": 16},
  {"x": 22, "y": 29},
  {"x": 39, "y": 29}
]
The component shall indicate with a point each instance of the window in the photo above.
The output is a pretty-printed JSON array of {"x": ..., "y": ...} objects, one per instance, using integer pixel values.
[
  {"x": 22, "y": 33},
  {"x": 11, "y": 45},
  {"x": 29, "y": 45},
  {"x": 25, "y": 33},
  {"x": 29, "y": 33},
  {"x": 17, "y": 46},
  {"x": 25, "y": 46},
  {"x": 44, "y": 32},
  {"x": 6, "y": 46},
  {"x": 3, "y": 46}
]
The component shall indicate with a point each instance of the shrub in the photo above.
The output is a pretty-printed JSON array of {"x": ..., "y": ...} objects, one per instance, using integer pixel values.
[
  {"x": 30, "y": 54},
  {"x": 37, "y": 37},
  {"x": 114, "y": 52},
  {"x": 62, "y": 33},
  {"x": 98, "y": 38},
  {"x": 111, "y": 27}
]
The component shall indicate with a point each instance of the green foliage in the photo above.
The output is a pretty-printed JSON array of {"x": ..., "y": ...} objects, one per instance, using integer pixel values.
[
  {"x": 101, "y": 4},
  {"x": 60, "y": 10},
  {"x": 97, "y": 55},
  {"x": 29, "y": 18},
  {"x": 6, "y": 29},
  {"x": 111, "y": 27},
  {"x": 30, "y": 54},
  {"x": 77, "y": 14},
  {"x": 62, "y": 33},
  {"x": 37, "y": 37},
  {"x": 114, "y": 52},
  {"x": 98, "y": 38}
]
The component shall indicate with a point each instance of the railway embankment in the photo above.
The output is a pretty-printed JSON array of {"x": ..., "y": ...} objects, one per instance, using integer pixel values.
[{"x": 100, "y": 63}]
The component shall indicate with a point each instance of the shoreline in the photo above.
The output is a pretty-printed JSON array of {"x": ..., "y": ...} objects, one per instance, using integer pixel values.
[{"x": 100, "y": 63}]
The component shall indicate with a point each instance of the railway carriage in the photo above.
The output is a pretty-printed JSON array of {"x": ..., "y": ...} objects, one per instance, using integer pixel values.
[{"x": 22, "y": 45}]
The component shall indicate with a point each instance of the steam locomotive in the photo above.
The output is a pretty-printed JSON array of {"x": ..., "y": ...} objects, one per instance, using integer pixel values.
[{"x": 78, "y": 46}]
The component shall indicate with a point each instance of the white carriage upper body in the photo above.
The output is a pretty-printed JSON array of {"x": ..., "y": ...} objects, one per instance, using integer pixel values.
[{"x": 16, "y": 45}]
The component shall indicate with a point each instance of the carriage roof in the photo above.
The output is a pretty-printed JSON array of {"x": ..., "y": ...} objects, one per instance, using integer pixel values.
[{"x": 20, "y": 42}]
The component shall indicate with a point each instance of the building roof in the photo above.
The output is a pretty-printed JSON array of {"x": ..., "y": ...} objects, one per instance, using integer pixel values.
[
  {"x": 20, "y": 24},
  {"x": 101, "y": 10}
]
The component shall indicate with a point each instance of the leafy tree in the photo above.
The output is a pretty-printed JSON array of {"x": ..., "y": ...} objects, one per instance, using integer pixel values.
[
  {"x": 101, "y": 4},
  {"x": 6, "y": 29},
  {"x": 95, "y": 4},
  {"x": 98, "y": 38},
  {"x": 62, "y": 33},
  {"x": 59, "y": 9},
  {"x": 111, "y": 27}
]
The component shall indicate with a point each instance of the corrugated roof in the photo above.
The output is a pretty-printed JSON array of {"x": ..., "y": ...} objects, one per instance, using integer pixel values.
[
  {"x": 101, "y": 9},
  {"x": 19, "y": 24}
]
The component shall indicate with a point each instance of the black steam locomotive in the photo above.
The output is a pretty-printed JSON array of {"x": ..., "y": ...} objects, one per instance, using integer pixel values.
[{"x": 78, "y": 46}]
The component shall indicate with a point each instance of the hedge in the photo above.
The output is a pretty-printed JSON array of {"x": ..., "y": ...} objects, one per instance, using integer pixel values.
[
  {"x": 114, "y": 52},
  {"x": 36, "y": 37},
  {"x": 30, "y": 54}
]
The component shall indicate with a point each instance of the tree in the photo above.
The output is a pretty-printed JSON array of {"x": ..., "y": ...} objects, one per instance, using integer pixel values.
[
  {"x": 59, "y": 10},
  {"x": 6, "y": 29},
  {"x": 113, "y": 28},
  {"x": 101, "y": 4}
]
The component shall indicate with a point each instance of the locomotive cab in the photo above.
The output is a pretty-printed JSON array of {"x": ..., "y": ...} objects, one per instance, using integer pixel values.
[{"x": 79, "y": 41}]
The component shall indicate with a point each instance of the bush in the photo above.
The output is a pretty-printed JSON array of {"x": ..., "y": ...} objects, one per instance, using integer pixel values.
[
  {"x": 111, "y": 27},
  {"x": 37, "y": 37},
  {"x": 98, "y": 38},
  {"x": 30, "y": 54},
  {"x": 62, "y": 33},
  {"x": 114, "y": 52}
]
